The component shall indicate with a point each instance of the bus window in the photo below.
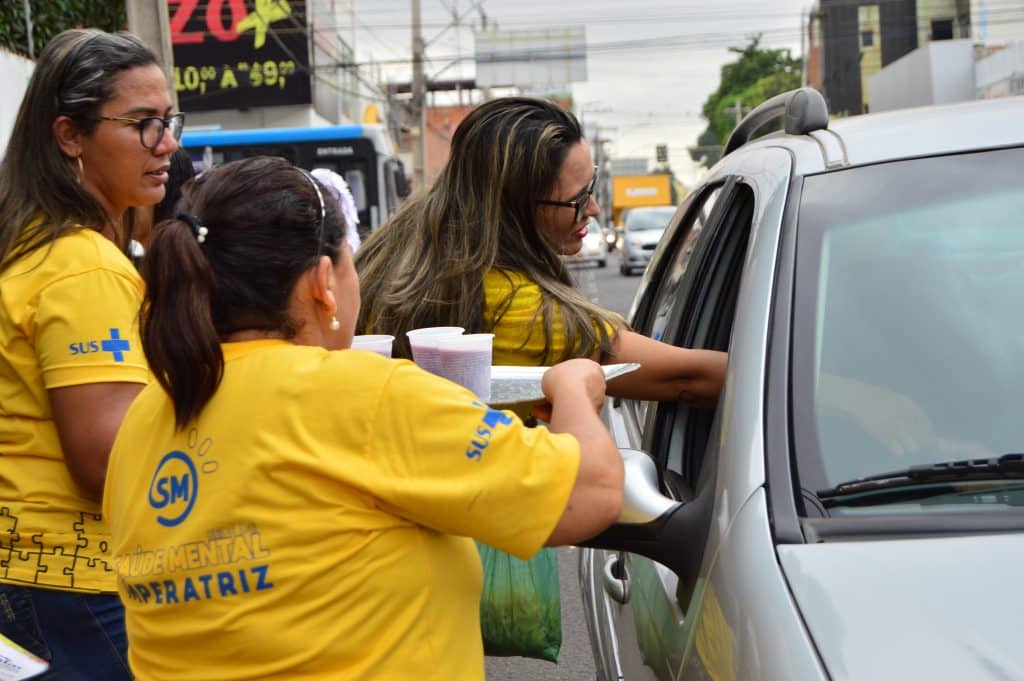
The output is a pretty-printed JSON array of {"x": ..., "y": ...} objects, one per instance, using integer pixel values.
[
  {"x": 357, "y": 185},
  {"x": 398, "y": 173}
]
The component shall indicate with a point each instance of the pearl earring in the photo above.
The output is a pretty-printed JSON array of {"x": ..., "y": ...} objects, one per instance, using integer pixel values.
[{"x": 335, "y": 324}]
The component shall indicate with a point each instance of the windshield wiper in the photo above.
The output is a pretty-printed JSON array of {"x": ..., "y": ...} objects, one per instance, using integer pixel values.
[{"x": 1005, "y": 467}]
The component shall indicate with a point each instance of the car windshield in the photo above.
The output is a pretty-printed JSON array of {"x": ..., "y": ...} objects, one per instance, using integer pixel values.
[
  {"x": 908, "y": 327},
  {"x": 649, "y": 218}
]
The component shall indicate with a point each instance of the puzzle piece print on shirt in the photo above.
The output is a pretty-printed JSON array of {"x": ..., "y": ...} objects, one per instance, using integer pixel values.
[
  {"x": 9, "y": 537},
  {"x": 53, "y": 566},
  {"x": 91, "y": 525}
]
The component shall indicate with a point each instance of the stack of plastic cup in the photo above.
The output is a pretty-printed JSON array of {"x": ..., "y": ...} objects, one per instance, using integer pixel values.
[
  {"x": 423, "y": 343},
  {"x": 379, "y": 343},
  {"x": 466, "y": 360}
]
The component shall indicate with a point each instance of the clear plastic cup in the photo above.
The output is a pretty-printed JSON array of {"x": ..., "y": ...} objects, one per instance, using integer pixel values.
[
  {"x": 423, "y": 343},
  {"x": 379, "y": 343},
  {"x": 466, "y": 360}
]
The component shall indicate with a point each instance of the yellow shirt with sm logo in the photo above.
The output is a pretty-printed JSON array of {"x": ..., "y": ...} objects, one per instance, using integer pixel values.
[{"x": 315, "y": 521}]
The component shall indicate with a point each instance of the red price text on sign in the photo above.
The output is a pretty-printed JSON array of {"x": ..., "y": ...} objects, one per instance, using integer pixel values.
[{"x": 182, "y": 11}]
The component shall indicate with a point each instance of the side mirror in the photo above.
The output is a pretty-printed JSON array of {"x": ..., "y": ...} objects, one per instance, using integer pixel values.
[
  {"x": 650, "y": 524},
  {"x": 642, "y": 502}
]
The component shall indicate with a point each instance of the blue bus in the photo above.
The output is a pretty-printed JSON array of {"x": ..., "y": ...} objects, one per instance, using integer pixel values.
[{"x": 362, "y": 154}]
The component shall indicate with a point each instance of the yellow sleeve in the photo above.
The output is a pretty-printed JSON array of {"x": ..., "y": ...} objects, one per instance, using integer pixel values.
[
  {"x": 85, "y": 330},
  {"x": 519, "y": 330},
  {"x": 512, "y": 303},
  {"x": 453, "y": 464}
]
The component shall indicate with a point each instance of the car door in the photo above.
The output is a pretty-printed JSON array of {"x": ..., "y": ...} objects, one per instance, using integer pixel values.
[{"x": 688, "y": 299}]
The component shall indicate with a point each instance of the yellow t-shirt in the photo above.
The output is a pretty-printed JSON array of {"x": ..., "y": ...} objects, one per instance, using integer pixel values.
[
  {"x": 314, "y": 521},
  {"x": 518, "y": 324},
  {"x": 67, "y": 317}
]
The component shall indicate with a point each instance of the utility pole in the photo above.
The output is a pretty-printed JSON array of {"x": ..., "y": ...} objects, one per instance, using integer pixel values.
[
  {"x": 738, "y": 110},
  {"x": 148, "y": 20},
  {"x": 28, "y": 31},
  {"x": 419, "y": 97}
]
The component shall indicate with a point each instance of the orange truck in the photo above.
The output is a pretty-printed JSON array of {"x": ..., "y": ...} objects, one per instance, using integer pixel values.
[{"x": 632, "y": 191}]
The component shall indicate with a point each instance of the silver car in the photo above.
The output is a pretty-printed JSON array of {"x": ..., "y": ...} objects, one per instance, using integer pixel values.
[
  {"x": 854, "y": 507},
  {"x": 641, "y": 232}
]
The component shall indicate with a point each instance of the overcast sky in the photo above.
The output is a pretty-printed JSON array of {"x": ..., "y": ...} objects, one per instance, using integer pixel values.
[{"x": 651, "y": 64}]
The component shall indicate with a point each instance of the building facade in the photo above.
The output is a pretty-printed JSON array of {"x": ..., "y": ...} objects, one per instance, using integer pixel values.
[{"x": 849, "y": 40}]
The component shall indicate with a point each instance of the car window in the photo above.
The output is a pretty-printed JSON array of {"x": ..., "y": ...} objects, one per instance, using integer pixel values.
[
  {"x": 908, "y": 332},
  {"x": 702, "y": 318},
  {"x": 672, "y": 278},
  {"x": 666, "y": 294}
]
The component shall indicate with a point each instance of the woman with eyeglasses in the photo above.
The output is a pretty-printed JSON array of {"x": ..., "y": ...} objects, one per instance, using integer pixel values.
[
  {"x": 92, "y": 139},
  {"x": 482, "y": 247},
  {"x": 282, "y": 507}
]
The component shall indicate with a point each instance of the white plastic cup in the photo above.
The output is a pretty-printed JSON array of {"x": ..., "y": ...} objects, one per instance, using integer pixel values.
[
  {"x": 423, "y": 343},
  {"x": 379, "y": 343},
  {"x": 466, "y": 360}
]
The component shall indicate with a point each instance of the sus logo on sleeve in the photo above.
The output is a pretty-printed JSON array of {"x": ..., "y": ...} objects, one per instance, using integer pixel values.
[
  {"x": 488, "y": 424},
  {"x": 115, "y": 345}
]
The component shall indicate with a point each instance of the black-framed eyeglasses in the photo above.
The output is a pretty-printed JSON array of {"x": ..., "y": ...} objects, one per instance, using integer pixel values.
[
  {"x": 580, "y": 202},
  {"x": 151, "y": 128}
]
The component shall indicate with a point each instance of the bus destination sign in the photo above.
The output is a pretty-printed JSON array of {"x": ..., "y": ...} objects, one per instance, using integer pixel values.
[{"x": 238, "y": 54}]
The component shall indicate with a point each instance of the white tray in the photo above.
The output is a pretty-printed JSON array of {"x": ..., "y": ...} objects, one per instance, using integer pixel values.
[{"x": 521, "y": 385}]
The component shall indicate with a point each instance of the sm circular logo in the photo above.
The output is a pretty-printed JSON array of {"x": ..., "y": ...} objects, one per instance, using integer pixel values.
[{"x": 173, "y": 488}]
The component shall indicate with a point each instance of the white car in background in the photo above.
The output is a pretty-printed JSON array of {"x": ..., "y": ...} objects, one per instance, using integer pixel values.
[{"x": 594, "y": 249}]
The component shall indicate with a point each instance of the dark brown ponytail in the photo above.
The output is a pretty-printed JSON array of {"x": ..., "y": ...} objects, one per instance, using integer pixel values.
[
  {"x": 246, "y": 232},
  {"x": 179, "y": 335}
]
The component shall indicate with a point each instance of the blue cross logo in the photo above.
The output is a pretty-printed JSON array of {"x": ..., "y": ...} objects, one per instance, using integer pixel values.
[{"x": 116, "y": 345}]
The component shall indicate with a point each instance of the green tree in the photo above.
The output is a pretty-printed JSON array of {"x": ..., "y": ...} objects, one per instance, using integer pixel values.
[
  {"x": 50, "y": 17},
  {"x": 756, "y": 75}
]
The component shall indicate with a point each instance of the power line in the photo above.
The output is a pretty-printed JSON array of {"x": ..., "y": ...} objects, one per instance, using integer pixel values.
[
  {"x": 634, "y": 16},
  {"x": 688, "y": 40}
]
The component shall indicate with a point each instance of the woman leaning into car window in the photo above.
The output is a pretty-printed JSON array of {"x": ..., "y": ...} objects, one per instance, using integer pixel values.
[
  {"x": 481, "y": 249},
  {"x": 91, "y": 140}
]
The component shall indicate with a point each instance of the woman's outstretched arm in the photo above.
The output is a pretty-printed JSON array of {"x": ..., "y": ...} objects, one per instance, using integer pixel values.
[{"x": 667, "y": 372}]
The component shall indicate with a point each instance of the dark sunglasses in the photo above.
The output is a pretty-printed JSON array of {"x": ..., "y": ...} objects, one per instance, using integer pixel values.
[
  {"x": 151, "y": 128},
  {"x": 578, "y": 204}
]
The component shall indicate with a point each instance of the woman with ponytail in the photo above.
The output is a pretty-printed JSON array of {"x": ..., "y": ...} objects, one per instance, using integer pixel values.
[
  {"x": 92, "y": 140},
  {"x": 283, "y": 507}
]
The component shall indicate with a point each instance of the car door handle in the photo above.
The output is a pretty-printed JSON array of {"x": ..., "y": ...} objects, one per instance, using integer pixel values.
[{"x": 616, "y": 587}]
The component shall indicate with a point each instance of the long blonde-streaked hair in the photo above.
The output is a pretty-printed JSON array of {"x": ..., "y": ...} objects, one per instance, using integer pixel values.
[{"x": 426, "y": 266}]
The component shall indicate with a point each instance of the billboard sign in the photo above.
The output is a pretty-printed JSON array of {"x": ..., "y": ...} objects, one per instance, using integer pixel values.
[
  {"x": 239, "y": 54},
  {"x": 534, "y": 59}
]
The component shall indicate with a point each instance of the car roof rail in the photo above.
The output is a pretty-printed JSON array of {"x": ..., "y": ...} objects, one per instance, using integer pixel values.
[{"x": 804, "y": 110}]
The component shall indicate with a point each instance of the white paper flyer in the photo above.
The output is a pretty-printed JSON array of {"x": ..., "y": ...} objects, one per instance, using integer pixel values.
[{"x": 16, "y": 663}]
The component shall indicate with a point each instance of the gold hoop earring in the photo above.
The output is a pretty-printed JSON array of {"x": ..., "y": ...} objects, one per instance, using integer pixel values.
[
  {"x": 335, "y": 324},
  {"x": 81, "y": 169}
]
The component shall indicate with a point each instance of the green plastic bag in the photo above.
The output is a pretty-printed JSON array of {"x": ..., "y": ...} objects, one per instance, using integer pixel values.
[{"x": 520, "y": 608}]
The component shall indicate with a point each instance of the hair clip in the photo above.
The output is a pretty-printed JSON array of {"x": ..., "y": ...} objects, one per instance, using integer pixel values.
[{"x": 198, "y": 229}]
